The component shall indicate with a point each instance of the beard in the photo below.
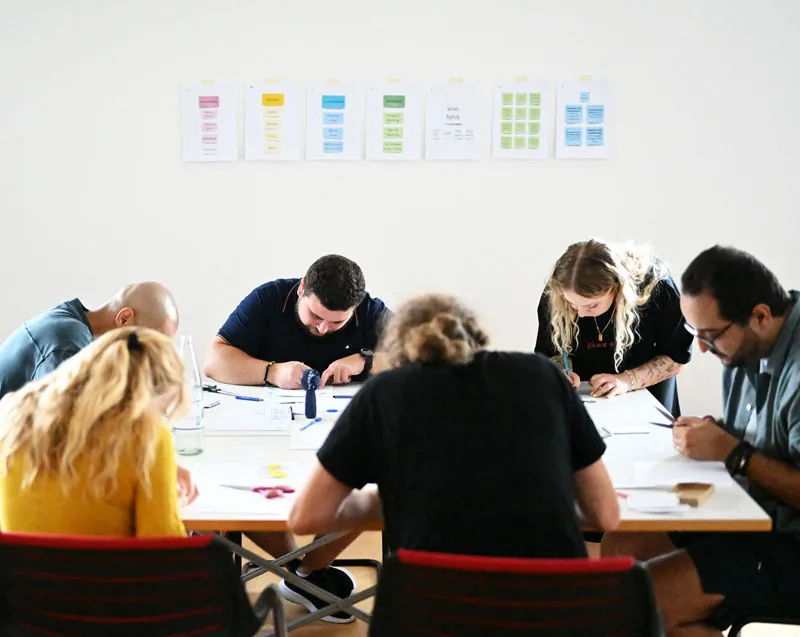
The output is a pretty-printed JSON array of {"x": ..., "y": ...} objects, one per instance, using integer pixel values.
[
  {"x": 307, "y": 328},
  {"x": 748, "y": 353}
]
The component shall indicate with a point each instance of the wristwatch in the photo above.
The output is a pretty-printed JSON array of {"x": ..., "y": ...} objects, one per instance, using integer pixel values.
[{"x": 368, "y": 355}]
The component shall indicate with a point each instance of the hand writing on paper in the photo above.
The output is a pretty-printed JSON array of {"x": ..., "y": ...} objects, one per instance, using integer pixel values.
[
  {"x": 342, "y": 371},
  {"x": 702, "y": 439},
  {"x": 187, "y": 489},
  {"x": 287, "y": 375},
  {"x": 573, "y": 379},
  {"x": 609, "y": 385}
]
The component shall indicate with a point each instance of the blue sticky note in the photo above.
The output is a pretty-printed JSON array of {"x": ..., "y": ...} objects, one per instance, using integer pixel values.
[
  {"x": 332, "y": 118},
  {"x": 584, "y": 96},
  {"x": 333, "y": 147},
  {"x": 332, "y": 133},
  {"x": 594, "y": 136},
  {"x": 573, "y": 114},
  {"x": 595, "y": 114},
  {"x": 572, "y": 136},
  {"x": 333, "y": 101}
]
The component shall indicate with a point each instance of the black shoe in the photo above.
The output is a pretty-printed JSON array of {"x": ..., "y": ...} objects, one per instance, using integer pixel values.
[
  {"x": 337, "y": 581},
  {"x": 252, "y": 566}
]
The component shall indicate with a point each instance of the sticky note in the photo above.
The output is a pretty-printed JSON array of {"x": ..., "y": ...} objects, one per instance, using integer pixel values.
[
  {"x": 535, "y": 113},
  {"x": 572, "y": 136},
  {"x": 272, "y": 148},
  {"x": 507, "y": 128},
  {"x": 333, "y": 118},
  {"x": 277, "y": 473},
  {"x": 209, "y": 139},
  {"x": 533, "y": 143},
  {"x": 584, "y": 96},
  {"x": 520, "y": 113},
  {"x": 394, "y": 101},
  {"x": 333, "y": 147},
  {"x": 274, "y": 465},
  {"x": 208, "y": 126},
  {"x": 519, "y": 142},
  {"x": 272, "y": 136},
  {"x": 573, "y": 114},
  {"x": 393, "y": 147},
  {"x": 505, "y": 143},
  {"x": 393, "y": 118},
  {"x": 208, "y": 101},
  {"x": 535, "y": 99},
  {"x": 521, "y": 99},
  {"x": 520, "y": 128},
  {"x": 332, "y": 133},
  {"x": 595, "y": 114},
  {"x": 394, "y": 132},
  {"x": 272, "y": 123},
  {"x": 208, "y": 114},
  {"x": 272, "y": 112},
  {"x": 533, "y": 128},
  {"x": 333, "y": 101},
  {"x": 272, "y": 99},
  {"x": 507, "y": 113},
  {"x": 507, "y": 99},
  {"x": 594, "y": 136}
]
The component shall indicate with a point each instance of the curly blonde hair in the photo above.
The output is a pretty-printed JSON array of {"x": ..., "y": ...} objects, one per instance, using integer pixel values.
[
  {"x": 95, "y": 407},
  {"x": 593, "y": 268},
  {"x": 434, "y": 328}
]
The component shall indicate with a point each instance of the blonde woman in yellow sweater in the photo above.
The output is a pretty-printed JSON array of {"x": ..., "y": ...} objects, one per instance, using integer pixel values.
[{"x": 87, "y": 451}]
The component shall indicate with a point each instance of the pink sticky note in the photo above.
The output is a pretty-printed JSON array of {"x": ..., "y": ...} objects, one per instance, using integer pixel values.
[
  {"x": 208, "y": 101},
  {"x": 208, "y": 114},
  {"x": 208, "y": 127},
  {"x": 209, "y": 139}
]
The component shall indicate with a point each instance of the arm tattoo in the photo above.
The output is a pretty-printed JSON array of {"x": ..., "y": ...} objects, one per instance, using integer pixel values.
[{"x": 656, "y": 370}]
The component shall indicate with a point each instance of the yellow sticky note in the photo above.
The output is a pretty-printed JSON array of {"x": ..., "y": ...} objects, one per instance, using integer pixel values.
[
  {"x": 274, "y": 465},
  {"x": 275, "y": 473},
  {"x": 207, "y": 82},
  {"x": 272, "y": 136},
  {"x": 272, "y": 112},
  {"x": 272, "y": 123},
  {"x": 456, "y": 79},
  {"x": 585, "y": 78},
  {"x": 272, "y": 99}
]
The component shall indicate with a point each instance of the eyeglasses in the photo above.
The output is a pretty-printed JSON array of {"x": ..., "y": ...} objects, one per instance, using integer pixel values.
[{"x": 708, "y": 342}]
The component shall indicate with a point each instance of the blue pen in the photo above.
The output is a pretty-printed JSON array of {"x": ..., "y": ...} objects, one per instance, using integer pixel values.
[
  {"x": 255, "y": 399},
  {"x": 306, "y": 426},
  {"x": 566, "y": 363},
  {"x": 343, "y": 396}
]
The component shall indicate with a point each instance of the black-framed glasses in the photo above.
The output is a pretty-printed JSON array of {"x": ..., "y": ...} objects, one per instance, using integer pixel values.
[{"x": 708, "y": 342}]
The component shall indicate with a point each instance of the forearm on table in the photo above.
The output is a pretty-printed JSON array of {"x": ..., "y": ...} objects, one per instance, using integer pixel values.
[
  {"x": 228, "y": 364},
  {"x": 653, "y": 372},
  {"x": 357, "y": 509},
  {"x": 779, "y": 478}
]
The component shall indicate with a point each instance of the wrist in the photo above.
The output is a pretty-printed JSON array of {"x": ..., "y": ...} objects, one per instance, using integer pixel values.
[
  {"x": 269, "y": 373},
  {"x": 738, "y": 459}
]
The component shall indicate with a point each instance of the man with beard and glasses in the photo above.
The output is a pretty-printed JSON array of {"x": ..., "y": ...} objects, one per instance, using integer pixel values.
[
  {"x": 740, "y": 313},
  {"x": 324, "y": 321}
]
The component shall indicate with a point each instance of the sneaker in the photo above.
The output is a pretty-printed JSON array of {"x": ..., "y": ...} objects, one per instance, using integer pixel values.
[{"x": 337, "y": 581}]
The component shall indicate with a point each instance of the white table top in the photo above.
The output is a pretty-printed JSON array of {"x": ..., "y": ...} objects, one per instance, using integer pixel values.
[{"x": 634, "y": 458}]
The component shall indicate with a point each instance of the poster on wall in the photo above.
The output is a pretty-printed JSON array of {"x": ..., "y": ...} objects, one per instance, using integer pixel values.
[
  {"x": 394, "y": 122},
  {"x": 452, "y": 123},
  {"x": 334, "y": 122},
  {"x": 584, "y": 128},
  {"x": 208, "y": 122},
  {"x": 273, "y": 122},
  {"x": 521, "y": 118}
]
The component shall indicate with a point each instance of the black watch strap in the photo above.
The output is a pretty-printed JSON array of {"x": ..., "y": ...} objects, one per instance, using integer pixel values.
[
  {"x": 737, "y": 461},
  {"x": 368, "y": 356}
]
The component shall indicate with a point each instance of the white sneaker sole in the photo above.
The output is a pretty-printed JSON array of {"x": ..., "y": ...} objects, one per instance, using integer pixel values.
[{"x": 296, "y": 598}]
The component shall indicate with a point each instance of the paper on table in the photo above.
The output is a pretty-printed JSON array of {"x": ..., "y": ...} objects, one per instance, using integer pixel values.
[
  {"x": 313, "y": 436},
  {"x": 245, "y": 415},
  {"x": 654, "y": 502},
  {"x": 674, "y": 470},
  {"x": 214, "y": 499}
]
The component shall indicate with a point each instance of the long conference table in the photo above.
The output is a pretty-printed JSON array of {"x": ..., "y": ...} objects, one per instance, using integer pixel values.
[{"x": 249, "y": 444}]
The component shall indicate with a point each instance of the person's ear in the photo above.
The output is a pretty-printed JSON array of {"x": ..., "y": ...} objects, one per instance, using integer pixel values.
[
  {"x": 760, "y": 316},
  {"x": 301, "y": 288},
  {"x": 124, "y": 317}
]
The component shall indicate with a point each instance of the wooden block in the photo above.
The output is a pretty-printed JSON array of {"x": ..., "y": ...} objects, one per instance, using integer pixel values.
[{"x": 693, "y": 493}]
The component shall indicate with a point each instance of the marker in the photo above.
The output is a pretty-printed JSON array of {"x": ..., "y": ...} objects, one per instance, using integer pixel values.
[
  {"x": 210, "y": 405},
  {"x": 254, "y": 399},
  {"x": 566, "y": 363},
  {"x": 343, "y": 396},
  {"x": 306, "y": 426}
]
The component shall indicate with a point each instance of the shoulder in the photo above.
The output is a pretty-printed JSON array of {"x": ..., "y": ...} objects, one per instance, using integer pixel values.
[
  {"x": 372, "y": 305},
  {"x": 665, "y": 291},
  {"x": 274, "y": 294},
  {"x": 59, "y": 329}
]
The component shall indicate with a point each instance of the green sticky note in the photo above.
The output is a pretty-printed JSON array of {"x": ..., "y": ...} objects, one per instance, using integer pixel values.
[
  {"x": 394, "y": 132},
  {"x": 505, "y": 143},
  {"x": 392, "y": 147},
  {"x": 508, "y": 99},
  {"x": 519, "y": 142},
  {"x": 533, "y": 143},
  {"x": 392, "y": 118},
  {"x": 535, "y": 113},
  {"x": 394, "y": 101},
  {"x": 521, "y": 113},
  {"x": 520, "y": 128},
  {"x": 507, "y": 113},
  {"x": 535, "y": 99},
  {"x": 507, "y": 128},
  {"x": 533, "y": 128},
  {"x": 521, "y": 99}
]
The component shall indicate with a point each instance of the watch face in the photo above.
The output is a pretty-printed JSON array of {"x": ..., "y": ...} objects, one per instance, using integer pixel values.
[{"x": 367, "y": 352}]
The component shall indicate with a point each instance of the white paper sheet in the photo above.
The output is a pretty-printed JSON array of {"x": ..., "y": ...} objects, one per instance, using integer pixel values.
[
  {"x": 584, "y": 128},
  {"x": 521, "y": 120},
  {"x": 394, "y": 122},
  {"x": 334, "y": 122},
  {"x": 453, "y": 121},
  {"x": 313, "y": 436},
  {"x": 273, "y": 122},
  {"x": 208, "y": 122}
]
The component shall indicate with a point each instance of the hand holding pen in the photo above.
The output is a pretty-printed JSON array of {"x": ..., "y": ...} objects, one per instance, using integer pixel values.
[{"x": 573, "y": 378}]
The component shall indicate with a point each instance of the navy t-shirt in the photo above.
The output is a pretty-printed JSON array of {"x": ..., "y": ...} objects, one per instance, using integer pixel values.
[
  {"x": 660, "y": 331},
  {"x": 265, "y": 326}
]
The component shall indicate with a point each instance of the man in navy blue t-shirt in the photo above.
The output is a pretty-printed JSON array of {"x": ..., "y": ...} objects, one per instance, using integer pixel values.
[{"x": 325, "y": 321}]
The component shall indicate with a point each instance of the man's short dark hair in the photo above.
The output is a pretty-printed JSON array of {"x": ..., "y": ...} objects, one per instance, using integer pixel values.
[
  {"x": 737, "y": 280},
  {"x": 337, "y": 282}
]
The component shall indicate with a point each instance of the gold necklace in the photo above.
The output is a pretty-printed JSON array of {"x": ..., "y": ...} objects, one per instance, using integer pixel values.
[{"x": 599, "y": 331}]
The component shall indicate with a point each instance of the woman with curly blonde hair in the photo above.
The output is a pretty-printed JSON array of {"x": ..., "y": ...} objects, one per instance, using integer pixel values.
[
  {"x": 614, "y": 312},
  {"x": 86, "y": 450},
  {"x": 473, "y": 451}
]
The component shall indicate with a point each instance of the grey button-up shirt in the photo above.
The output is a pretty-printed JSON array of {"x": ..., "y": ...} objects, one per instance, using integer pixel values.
[{"x": 769, "y": 392}]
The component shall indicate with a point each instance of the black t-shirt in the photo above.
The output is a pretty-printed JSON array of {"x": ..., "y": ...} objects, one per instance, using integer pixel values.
[
  {"x": 472, "y": 459},
  {"x": 659, "y": 331},
  {"x": 265, "y": 326}
]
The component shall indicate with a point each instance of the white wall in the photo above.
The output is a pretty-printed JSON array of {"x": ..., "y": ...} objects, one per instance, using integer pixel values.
[{"x": 93, "y": 193}]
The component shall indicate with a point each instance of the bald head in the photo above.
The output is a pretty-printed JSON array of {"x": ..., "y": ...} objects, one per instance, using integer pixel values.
[{"x": 148, "y": 304}]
